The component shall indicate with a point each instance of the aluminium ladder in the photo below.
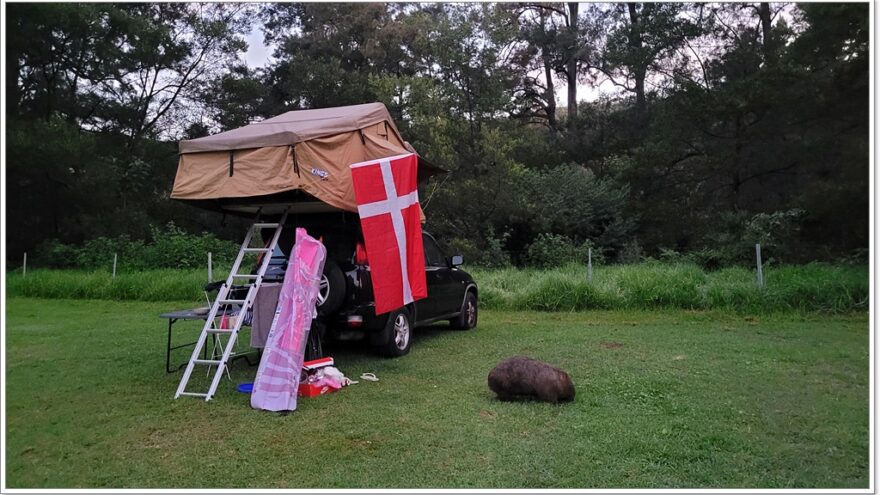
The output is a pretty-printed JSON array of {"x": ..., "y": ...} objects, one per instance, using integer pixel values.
[{"x": 224, "y": 301}]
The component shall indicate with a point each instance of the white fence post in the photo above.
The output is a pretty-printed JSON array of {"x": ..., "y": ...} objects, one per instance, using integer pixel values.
[
  {"x": 24, "y": 266},
  {"x": 210, "y": 268},
  {"x": 114, "y": 265},
  {"x": 590, "y": 265},
  {"x": 760, "y": 268}
]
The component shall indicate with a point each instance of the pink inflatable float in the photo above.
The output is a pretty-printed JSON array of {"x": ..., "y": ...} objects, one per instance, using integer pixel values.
[{"x": 277, "y": 381}]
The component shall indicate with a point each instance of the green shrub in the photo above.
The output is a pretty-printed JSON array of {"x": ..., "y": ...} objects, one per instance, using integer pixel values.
[
  {"x": 553, "y": 250},
  {"x": 174, "y": 248},
  {"x": 630, "y": 253},
  {"x": 493, "y": 255},
  {"x": 169, "y": 247}
]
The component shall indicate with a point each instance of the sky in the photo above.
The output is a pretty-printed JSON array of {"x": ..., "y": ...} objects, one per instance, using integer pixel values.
[{"x": 257, "y": 54}]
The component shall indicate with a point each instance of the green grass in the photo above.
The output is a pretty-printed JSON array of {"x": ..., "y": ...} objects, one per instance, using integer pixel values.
[
  {"x": 669, "y": 398},
  {"x": 812, "y": 287},
  {"x": 151, "y": 285}
]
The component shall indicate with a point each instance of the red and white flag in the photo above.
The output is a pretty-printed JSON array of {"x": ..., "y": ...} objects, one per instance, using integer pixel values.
[{"x": 388, "y": 204}]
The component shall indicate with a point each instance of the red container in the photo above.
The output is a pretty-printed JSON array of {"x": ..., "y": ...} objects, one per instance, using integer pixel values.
[{"x": 312, "y": 390}]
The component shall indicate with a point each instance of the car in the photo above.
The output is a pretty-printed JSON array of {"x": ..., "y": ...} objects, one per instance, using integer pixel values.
[{"x": 346, "y": 307}]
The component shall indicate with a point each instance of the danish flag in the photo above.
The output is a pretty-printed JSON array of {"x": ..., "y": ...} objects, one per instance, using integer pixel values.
[{"x": 388, "y": 203}]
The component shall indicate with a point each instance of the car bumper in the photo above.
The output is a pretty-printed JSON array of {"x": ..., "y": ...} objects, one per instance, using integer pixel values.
[{"x": 359, "y": 318}]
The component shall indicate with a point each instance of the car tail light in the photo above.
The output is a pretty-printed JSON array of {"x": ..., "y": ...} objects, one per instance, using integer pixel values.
[
  {"x": 360, "y": 254},
  {"x": 355, "y": 321}
]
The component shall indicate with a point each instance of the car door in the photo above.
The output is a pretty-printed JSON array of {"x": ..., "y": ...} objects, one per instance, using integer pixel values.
[{"x": 440, "y": 283}]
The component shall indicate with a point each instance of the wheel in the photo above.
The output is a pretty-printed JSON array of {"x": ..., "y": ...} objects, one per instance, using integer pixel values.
[
  {"x": 314, "y": 349},
  {"x": 397, "y": 334},
  {"x": 467, "y": 319},
  {"x": 331, "y": 292},
  {"x": 313, "y": 345}
]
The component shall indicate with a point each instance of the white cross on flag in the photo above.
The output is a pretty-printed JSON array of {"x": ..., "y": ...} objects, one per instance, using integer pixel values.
[{"x": 388, "y": 204}]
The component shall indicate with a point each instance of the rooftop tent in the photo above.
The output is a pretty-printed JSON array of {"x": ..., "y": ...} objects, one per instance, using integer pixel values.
[{"x": 298, "y": 158}]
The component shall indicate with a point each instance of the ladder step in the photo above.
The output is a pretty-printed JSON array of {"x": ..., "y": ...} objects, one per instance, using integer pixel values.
[
  {"x": 251, "y": 282},
  {"x": 219, "y": 330},
  {"x": 232, "y": 301}
]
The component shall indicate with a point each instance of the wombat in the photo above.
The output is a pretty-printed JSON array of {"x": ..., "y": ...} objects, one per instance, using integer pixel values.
[{"x": 521, "y": 377}]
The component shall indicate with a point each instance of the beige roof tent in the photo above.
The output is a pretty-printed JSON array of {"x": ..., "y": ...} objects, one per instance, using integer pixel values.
[{"x": 298, "y": 158}]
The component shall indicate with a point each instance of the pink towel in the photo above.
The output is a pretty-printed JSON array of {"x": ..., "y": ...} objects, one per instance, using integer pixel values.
[{"x": 277, "y": 380}]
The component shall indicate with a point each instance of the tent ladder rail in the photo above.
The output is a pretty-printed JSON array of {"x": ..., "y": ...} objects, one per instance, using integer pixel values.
[{"x": 223, "y": 303}]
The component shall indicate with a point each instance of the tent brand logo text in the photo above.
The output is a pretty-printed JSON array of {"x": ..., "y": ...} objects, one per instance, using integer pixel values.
[{"x": 323, "y": 174}]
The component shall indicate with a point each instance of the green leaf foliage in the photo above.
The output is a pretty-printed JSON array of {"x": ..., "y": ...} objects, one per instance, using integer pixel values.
[{"x": 706, "y": 128}]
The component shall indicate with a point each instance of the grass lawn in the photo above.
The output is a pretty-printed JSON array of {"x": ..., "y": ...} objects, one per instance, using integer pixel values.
[{"x": 664, "y": 399}]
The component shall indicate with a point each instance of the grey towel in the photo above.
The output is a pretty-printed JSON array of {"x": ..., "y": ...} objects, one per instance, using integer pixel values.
[{"x": 264, "y": 313}]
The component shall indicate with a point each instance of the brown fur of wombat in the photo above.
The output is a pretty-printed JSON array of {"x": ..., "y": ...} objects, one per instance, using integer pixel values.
[{"x": 520, "y": 377}]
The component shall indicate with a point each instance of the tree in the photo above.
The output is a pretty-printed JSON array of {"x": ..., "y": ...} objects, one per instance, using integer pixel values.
[
  {"x": 533, "y": 48},
  {"x": 732, "y": 116},
  {"x": 327, "y": 53},
  {"x": 642, "y": 36},
  {"x": 95, "y": 89}
]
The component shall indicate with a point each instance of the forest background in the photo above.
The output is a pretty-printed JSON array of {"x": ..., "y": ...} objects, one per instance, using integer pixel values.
[{"x": 682, "y": 132}]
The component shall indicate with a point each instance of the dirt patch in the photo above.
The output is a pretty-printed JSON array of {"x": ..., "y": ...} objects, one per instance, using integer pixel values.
[
  {"x": 679, "y": 357},
  {"x": 611, "y": 345},
  {"x": 363, "y": 443},
  {"x": 488, "y": 414}
]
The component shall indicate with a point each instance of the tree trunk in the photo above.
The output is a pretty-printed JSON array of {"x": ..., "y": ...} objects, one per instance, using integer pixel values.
[
  {"x": 764, "y": 14},
  {"x": 572, "y": 65},
  {"x": 549, "y": 92},
  {"x": 13, "y": 93},
  {"x": 736, "y": 176},
  {"x": 640, "y": 70},
  {"x": 641, "y": 102},
  {"x": 14, "y": 49}
]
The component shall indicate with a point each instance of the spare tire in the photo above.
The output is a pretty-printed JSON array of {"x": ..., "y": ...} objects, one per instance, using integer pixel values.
[{"x": 331, "y": 292}]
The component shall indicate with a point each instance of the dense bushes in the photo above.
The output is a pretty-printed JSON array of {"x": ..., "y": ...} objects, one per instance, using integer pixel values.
[
  {"x": 551, "y": 250},
  {"x": 169, "y": 247}
]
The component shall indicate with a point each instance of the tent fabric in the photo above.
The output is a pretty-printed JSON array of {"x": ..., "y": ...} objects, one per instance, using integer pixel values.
[
  {"x": 294, "y": 127},
  {"x": 308, "y": 150}
]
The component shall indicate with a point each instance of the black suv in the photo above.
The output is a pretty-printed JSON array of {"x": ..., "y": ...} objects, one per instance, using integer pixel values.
[{"x": 346, "y": 308}]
